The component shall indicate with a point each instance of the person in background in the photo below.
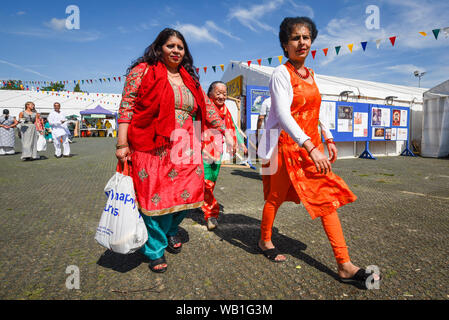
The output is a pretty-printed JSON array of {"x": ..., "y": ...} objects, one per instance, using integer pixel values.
[
  {"x": 7, "y": 136},
  {"x": 263, "y": 116},
  {"x": 59, "y": 131},
  {"x": 304, "y": 174},
  {"x": 161, "y": 99},
  {"x": 47, "y": 129},
  {"x": 29, "y": 134},
  {"x": 217, "y": 94}
]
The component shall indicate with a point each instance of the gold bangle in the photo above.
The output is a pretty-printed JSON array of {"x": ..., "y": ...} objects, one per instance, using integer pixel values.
[{"x": 121, "y": 146}]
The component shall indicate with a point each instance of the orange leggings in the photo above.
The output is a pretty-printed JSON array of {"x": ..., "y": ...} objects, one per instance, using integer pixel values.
[{"x": 331, "y": 224}]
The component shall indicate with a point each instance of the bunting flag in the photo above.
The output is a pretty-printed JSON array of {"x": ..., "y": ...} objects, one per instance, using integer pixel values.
[
  {"x": 249, "y": 62},
  {"x": 423, "y": 33},
  {"x": 280, "y": 59},
  {"x": 392, "y": 40},
  {"x": 313, "y": 54},
  {"x": 364, "y": 45},
  {"x": 337, "y": 49},
  {"x": 213, "y": 68},
  {"x": 222, "y": 67},
  {"x": 378, "y": 41},
  {"x": 197, "y": 70},
  {"x": 446, "y": 32},
  {"x": 325, "y": 51},
  {"x": 350, "y": 46},
  {"x": 269, "y": 61},
  {"x": 435, "y": 33},
  {"x": 205, "y": 69},
  {"x": 259, "y": 61}
]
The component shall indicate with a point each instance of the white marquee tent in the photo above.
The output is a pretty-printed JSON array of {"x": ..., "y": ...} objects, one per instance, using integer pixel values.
[
  {"x": 435, "y": 129},
  {"x": 71, "y": 103},
  {"x": 362, "y": 91}
]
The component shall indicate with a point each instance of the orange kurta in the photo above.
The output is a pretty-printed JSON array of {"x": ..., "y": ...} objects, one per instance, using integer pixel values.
[{"x": 297, "y": 178}]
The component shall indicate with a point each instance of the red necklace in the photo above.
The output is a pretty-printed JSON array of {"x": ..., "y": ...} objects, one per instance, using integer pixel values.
[{"x": 300, "y": 75}]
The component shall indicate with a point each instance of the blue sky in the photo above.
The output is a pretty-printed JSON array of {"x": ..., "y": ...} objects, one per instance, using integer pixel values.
[{"x": 35, "y": 45}]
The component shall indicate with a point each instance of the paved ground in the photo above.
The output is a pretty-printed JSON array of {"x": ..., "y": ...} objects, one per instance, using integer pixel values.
[{"x": 51, "y": 207}]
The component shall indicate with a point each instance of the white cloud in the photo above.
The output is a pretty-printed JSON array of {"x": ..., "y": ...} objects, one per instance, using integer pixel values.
[
  {"x": 56, "y": 24},
  {"x": 24, "y": 68},
  {"x": 252, "y": 17},
  {"x": 405, "y": 68},
  {"x": 213, "y": 26},
  {"x": 196, "y": 34},
  {"x": 20, "y": 13}
]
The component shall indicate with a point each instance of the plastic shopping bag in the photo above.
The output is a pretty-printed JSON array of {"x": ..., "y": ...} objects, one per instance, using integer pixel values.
[
  {"x": 41, "y": 143},
  {"x": 121, "y": 228}
]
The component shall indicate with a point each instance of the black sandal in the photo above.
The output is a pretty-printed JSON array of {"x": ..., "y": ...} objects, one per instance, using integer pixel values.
[
  {"x": 154, "y": 263},
  {"x": 271, "y": 254},
  {"x": 172, "y": 241},
  {"x": 359, "y": 278}
]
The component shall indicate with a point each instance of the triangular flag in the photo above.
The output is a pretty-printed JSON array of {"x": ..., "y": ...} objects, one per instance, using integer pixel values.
[
  {"x": 350, "y": 46},
  {"x": 378, "y": 41},
  {"x": 119, "y": 79},
  {"x": 259, "y": 61},
  {"x": 435, "y": 33},
  {"x": 213, "y": 67},
  {"x": 337, "y": 49},
  {"x": 280, "y": 59},
  {"x": 205, "y": 69},
  {"x": 325, "y": 51},
  {"x": 446, "y": 32},
  {"x": 197, "y": 70},
  {"x": 222, "y": 67},
  {"x": 423, "y": 33},
  {"x": 313, "y": 54},
  {"x": 249, "y": 62},
  {"x": 232, "y": 66},
  {"x": 364, "y": 45},
  {"x": 392, "y": 40},
  {"x": 269, "y": 60}
]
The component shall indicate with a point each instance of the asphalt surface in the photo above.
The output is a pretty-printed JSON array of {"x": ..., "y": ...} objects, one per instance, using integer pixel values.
[{"x": 51, "y": 208}]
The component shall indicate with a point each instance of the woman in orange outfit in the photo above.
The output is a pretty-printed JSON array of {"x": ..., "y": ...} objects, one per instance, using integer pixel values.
[{"x": 298, "y": 170}]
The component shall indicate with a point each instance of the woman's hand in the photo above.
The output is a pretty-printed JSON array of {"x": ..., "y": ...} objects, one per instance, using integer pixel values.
[
  {"x": 123, "y": 154},
  {"x": 322, "y": 163},
  {"x": 332, "y": 149}
]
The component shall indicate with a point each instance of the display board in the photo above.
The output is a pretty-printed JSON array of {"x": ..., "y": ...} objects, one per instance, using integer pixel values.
[
  {"x": 255, "y": 96},
  {"x": 352, "y": 121}
]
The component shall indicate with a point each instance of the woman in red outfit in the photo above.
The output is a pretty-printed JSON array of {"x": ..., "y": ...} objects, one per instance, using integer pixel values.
[
  {"x": 161, "y": 117},
  {"x": 304, "y": 174}
]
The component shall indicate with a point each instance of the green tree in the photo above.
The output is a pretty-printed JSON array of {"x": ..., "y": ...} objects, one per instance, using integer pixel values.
[
  {"x": 12, "y": 85},
  {"x": 54, "y": 86},
  {"x": 77, "y": 88}
]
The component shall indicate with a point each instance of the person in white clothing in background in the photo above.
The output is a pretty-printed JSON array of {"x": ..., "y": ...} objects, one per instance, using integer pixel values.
[{"x": 59, "y": 131}]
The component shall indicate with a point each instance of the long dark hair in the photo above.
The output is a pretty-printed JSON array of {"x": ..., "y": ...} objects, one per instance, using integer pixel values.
[{"x": 153, "y": 53}]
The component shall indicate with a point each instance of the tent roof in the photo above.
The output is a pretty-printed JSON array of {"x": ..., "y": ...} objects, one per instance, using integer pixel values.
[
  {"x": 97, "y": 110},
  {"x": 330, "y": 86},
  {"x": 440, "y": 90}
]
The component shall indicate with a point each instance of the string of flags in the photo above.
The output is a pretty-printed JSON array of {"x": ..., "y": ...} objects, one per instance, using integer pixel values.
[{"x": 363, "y": 44}]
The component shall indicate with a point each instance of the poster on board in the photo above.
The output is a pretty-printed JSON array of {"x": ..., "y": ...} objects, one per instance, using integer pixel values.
[
  {"x": 378, "y": 133},
  {"x": 393, "y": 133},
  {"x": 402, "y": 134},
  {"x": 345, "y": 114},
  {"x": 327, "y": 113},
  {"x": 403, "y": 118},
  {"x": 255, "y": 96},
  {"x": 396, "y": 117},
  {"x": 360, "y": 124}
]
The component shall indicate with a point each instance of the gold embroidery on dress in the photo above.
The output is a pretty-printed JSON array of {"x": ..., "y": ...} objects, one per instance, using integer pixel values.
[
  {"x": 143, "y": 174},
  {"x": 185, "y": 195},
  {"x": 173, "y": 174},
  {"x": 199, "y": 171},
  {"x": 156, "y": 199}
]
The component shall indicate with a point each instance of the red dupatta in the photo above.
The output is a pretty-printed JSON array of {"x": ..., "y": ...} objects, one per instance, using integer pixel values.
[{"x": 154, "y": 112}]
